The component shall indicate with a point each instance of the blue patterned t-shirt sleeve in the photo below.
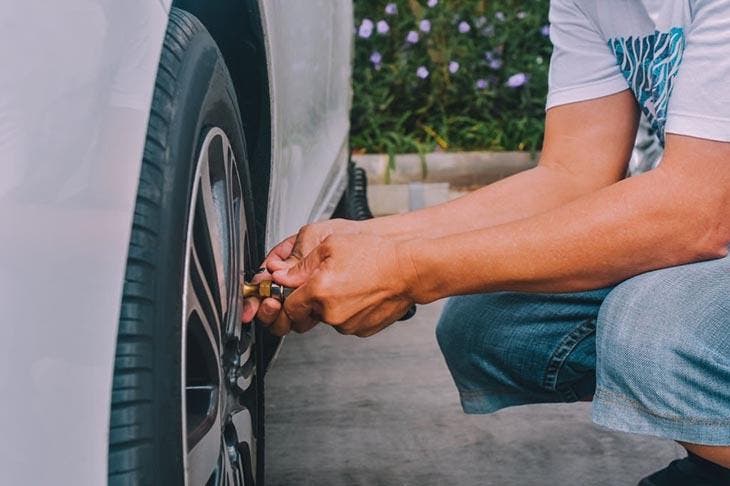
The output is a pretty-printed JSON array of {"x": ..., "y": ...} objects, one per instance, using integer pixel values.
[{"x": 650, "y": 65}]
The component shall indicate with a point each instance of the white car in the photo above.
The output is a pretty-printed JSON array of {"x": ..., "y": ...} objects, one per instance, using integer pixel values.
[{"x": 150, "y": 151}]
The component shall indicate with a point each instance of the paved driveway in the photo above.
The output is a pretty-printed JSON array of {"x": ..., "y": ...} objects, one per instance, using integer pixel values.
[{"x": 345, "y": 411}]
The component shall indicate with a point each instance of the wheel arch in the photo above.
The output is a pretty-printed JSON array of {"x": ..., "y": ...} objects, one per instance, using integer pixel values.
[{"x": 237, "y": 29}]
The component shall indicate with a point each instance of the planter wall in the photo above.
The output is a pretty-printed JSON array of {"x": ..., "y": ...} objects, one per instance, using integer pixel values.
[{"x": 459, "y": 169}]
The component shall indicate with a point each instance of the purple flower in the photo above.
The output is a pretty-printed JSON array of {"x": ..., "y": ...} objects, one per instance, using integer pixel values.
[
  {"x": 489, "y": 56},
  {"x": 412, "y": 37},
  {"x": 545, "y": 30},
  {"x": 495, "y": 64},
  {"x": 516, "y": 80},
  {"x": 481, "y": 83},
  {"x": 453, "y": 67},
  {"x": 464, "y": 27},
  {"x": 432, "y": 3},
  {"x": 383, "y": 27},
  {"x": 366, "y": 28},
  {"x": 424, "y": 25},
  {"x": 500, "y": 16},
  {"x": 521, "y": 14},
  {"x": 422, "y": 72},
  {"x": 376, "y": 58},
  {"x": 391, "y": 9}
]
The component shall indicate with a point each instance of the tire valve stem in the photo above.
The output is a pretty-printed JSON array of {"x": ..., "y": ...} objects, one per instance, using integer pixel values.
[{"x": 264, "y": 289}]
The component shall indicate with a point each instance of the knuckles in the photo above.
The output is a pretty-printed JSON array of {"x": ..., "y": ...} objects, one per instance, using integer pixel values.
[{"x": 305, "y": 232}]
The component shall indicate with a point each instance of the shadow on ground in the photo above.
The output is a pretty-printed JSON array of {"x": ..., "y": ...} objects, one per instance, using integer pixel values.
[{"x": 343, "y": 411}]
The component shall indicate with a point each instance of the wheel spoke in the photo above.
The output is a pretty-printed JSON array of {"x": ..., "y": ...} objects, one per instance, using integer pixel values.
[
  {"x": 242, "y": 424},
  {"x": 236, "y": 240},
  {"x": 245, "y": 441},
  {"x": 213, "y": 218},
  {"x": 203, "y": 458},
  {"x": 245, "y": 376},
  {"x": 195, "y": 314},
  {"x": 202, "y": 298},
  {"x": 232, "y": 473}
]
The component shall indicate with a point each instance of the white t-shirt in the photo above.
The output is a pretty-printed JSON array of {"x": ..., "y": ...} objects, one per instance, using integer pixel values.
[{"x": 673, "y": 54}]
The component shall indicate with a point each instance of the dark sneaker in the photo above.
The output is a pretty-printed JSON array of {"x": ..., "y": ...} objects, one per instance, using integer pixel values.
[{"x": 690, "y": 471}]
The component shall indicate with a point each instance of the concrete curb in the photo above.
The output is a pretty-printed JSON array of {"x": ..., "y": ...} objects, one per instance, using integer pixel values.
[
  {"x": 459, "y": 169},
  {"x": 386, "y": 199}
]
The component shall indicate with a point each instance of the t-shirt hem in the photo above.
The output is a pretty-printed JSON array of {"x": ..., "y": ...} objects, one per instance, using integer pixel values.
[
  {"x": 699, "y": 126},
  {"x": 584, "y": 92}
]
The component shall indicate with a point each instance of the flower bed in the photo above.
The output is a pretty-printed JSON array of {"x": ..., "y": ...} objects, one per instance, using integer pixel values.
[{"x": 459, "y": 74}]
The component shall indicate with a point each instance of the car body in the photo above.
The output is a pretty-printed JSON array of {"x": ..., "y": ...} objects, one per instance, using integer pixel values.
[{"x": 75, "y": 93}]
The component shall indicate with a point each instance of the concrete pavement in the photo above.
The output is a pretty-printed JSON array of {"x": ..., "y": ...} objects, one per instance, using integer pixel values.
[{"x": 344, "y": 411}]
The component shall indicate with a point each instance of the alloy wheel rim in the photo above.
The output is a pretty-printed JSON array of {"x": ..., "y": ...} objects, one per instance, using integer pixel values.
[{"x": 218, "y": 362}]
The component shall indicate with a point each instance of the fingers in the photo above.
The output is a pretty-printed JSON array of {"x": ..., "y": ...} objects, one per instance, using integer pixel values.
[
  {"x": 298, "y": 306},
  {"x": 281, "y": 326},
  {"x": 279, "y": 257},
  {"x": 295, "y": 248},
  {"x": 261, "y": 274},
  {"x": 269, "y": 311},
  {"x": 372, "y": 320},
  {"x": 286, "y": 266},
  {"x": 298, "y": 274},
  {"x": 250, "y": 307},
  {"x": 283, "y": 323},
  {"x": 302, "y": 327}
]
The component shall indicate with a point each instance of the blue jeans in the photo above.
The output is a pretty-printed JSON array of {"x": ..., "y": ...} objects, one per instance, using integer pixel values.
[{"x": 654, "y": 351}]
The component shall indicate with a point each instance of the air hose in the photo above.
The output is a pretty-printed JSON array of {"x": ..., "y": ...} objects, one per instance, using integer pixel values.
[{"x": 354, "y": 203}]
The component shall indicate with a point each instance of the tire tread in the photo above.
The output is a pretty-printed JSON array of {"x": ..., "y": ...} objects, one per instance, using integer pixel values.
[{"x": 132, "y": 388}]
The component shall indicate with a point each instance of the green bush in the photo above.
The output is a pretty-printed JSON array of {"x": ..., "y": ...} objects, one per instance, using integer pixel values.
[{"x": 410, "y": 96}]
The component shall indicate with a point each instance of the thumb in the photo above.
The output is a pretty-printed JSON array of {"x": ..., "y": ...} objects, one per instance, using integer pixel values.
[{"x": 299, "y": 273}]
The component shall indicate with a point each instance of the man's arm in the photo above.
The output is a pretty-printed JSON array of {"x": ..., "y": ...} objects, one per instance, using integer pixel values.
[
  {"x": 678, "y": 213},
  {"x": 587, "y": 147}
]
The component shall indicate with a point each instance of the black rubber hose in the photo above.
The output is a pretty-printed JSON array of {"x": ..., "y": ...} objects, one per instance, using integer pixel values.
[{"x": 354, "y": 203}]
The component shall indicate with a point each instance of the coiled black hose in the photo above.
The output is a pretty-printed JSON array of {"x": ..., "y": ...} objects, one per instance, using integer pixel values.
[{"x": 354, "y": 203}]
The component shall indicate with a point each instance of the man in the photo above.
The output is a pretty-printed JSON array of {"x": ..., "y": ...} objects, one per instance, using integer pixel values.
[{"x": 572, "y": 281}]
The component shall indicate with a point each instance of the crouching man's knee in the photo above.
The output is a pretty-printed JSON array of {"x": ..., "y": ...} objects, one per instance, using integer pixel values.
[{"x": 662, "y": 368}]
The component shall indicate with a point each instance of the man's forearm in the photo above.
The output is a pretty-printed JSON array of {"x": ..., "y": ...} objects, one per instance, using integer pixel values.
[
  {"x": 522, "y": 195},
  {"x": 587, "y": 146},
  {"x": 639, "y": 224}
]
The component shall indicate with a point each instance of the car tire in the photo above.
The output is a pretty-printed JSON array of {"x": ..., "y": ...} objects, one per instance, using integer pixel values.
[{"x": 187, "y": 401}]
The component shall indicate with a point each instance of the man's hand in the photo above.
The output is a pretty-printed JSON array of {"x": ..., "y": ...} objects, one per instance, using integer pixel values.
[
  {"x": 285, "y": 255},
  {"x": 357, "y": 283},
  {"x": 290, "y": 251}
]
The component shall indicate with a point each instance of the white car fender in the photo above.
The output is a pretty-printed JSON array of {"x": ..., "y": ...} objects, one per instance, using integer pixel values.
[{"x": 75, "y": 89}]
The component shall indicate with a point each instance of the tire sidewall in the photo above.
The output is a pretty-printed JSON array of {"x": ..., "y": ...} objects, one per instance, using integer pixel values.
[{"x": 203, "y": 98}]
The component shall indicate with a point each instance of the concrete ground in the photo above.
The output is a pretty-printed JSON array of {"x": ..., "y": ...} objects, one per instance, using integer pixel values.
[{"x": 344, "y": 411}]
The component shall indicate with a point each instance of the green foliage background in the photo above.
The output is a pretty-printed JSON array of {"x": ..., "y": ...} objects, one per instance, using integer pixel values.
[{"x": 395, "y": 111}]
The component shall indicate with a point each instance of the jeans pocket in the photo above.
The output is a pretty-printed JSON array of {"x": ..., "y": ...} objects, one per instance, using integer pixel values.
[{"x": 585, "y": 361}]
